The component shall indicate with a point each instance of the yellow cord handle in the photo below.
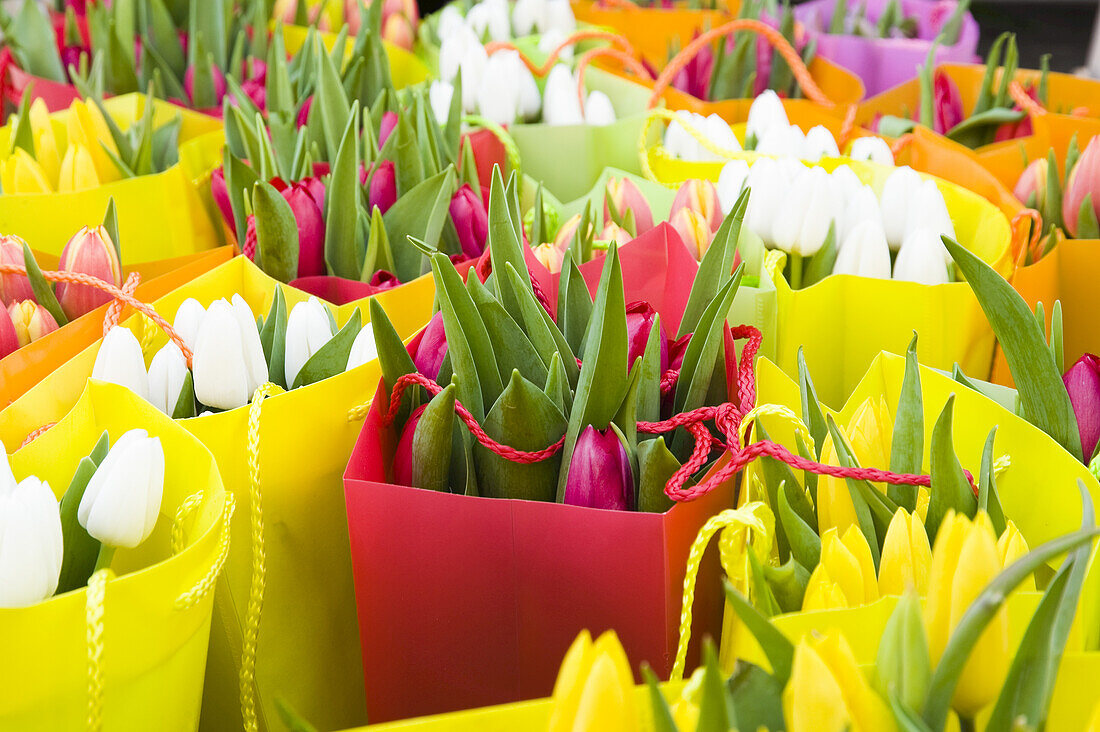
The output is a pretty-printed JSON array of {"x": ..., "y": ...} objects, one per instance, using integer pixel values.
[
  {"x": 652, "y": 116},
  {"x": 205, "y": 586},
  {"x": 93, "y": 613}
]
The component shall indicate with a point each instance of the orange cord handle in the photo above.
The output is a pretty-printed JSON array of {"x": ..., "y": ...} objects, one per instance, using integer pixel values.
[
  {"x": 77, "y": 278},
  {"x": 847, "y": 130},
  {"x": 581, "y": 35},
  {"x": 779, "y": 43},
  {"x": 114, "y": 310},
  {"x": 1023, "y": 100},
  {"x": 617, "y": 4},
  {"x": 901, "y": 144},
  {"x": 625, "y": 58},
  {"x": 36, "y": 434},
  {"x": 1027, "y": 229}
]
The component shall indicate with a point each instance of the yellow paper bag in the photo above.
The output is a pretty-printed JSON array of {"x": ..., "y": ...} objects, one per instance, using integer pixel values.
[
  {"x": 159, "y": 216},
  {"x": 144, "y": 630}
]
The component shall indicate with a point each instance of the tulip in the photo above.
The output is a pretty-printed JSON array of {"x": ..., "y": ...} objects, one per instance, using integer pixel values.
[
  {"x": 189, "y": 317},
  {"x": 167, "y": 373},
  {"x": 386, "y": 126},
  {"x": 862, "y": 206},
  {"x": 560, "y": 105},
  {"x": 595, "y": 687},
  {"x": 45, "y": 141},
  {"x": 218, "y": 79},
  {"x": 947, "y": 103},
  {"x": 471, "y": 221},
  {"x": 228, "y": 362},
  {"x": 1084, "y": 182},
  {"x": 1012, "y": 546},
  {"x": 13, "y": 287},
  {"x": 384, "y": 280},
  {"x": 527, "y": 16},
  {"x": 87, "y": 128},
  {"x": 679, "y": 143},
  {"x": 928, "y": 210},
  {"x": 120, "y": 361},
  {"x": 550, "y": 255},
  {"x": 701, "y": 197},
  {"x": 782, "y": 142},
  {"x": 765, "y": 113},
  {"x": 964, "y": 562},
  {"x": 363, "y": 349},
  {"x": 1031, "y": 188},
  {"x": 624, "y": 194},
  {"x": 78, "y": 171},
  {"x": 848, "y": 182},
  {"x": 906, "y": 556},
  {"x": 90, "y": 252},
  {"x": 309, "y": 217},
  {"x": 20, "y": 173},
  {"x": 121, "y": 504},
  {"x": 845, "y": 576},
  {"x": 731, "y": 182},
  {"x": 307, "y": 329},
  {"x": 719, "y": 133},
  {"x": 873, "y": 149},
  {"x": 616, "y": 233},
  {"x": 450, "y": 22},
  {"x": 558, "y": 18},
  {"x": 869, "y": 434},
  {"x": 640, "y": 317},
  {"x": 31, "y": 541},
  {"x": 219, "y": 191},
  {"x": 566, "y": 232},
  {"x": 598, "y": 109},
  {"x": 1082, "y": 381},
  {"x": 31, "y": 321},
  {"x": 897, "y": 194},
  {"x": 769, "y": 188},
  {"x": 902, "y": 666},
  {"x": 489, "y": 18},
  {"x": 383, "y": 186},
  {"x": 402, "y": 456},
  {"x": 599, "y": 472},
  {"x": 553, "y": 38},
  {"x": 820, "y": 143},
  {"x": 814, "y": 203},
  {"x": 303, "y": 113},
  {"x": 399, "y": 30},
  {"x": 921, "y": 259},
  {"x": 827, "y": 691},
  {"x": 462, "y": 51},
  {"x": 694, "y": 78},
  {"x": 694, "y": 231},
  {"x": 864, "y": 252},
  {"x": 432, "y": 349},
  {"x": 9, "y": 337},
  {"x": 439, "y": 96}
]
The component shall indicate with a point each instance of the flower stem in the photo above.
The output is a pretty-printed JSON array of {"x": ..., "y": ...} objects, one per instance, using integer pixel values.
[
  {"x": 966, "y": 724},
  {"x": 796, "y": 271},
  {"x": 106, "y": 554}
]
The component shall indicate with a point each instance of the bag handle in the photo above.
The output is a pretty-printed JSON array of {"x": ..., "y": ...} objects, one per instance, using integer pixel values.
[
  {"x": 93, "y": 638},
  {"x": 653, "y": 116},
  {"x": 798, "y": 68},
  {"x": 114, "y": 310},
  {"x": 205, "y": 585},
  {"x": 626, "y": 59},
  {"x": 551, "y": 60},
  {"x": 1027, "y": 231},
  {"x": 1023, "y": 101}
]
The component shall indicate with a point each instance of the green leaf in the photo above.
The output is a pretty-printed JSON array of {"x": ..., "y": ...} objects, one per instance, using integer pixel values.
[
  {"x": 990, "y": 118},
  {"x": 557, "y": 387},
  {"x": 992, "y": 62},
  {"x": 273, "y": 339},
  {"x": 821, "y": 264},
  {"x": 716, "y": 712},
  {"x": 812, "y": 415},
  {"x": 431, "y": 442},
  {"x": 1087, "y": 226},
  {"x": 34, "y": 44},
  {"x": 903, "y": 668},
  {"x": 777, "y": 649},
  {"x": 79, "y": 549},
  {"x": 656, "y": 465},
  {"x": 332, "y": 358},
  {"x": 548, "y": 341},
  {"x": 907, "y": 443},
  {"x": 1043, "y": 398},
  {"x": 701, "y": 355},
  {"x": 239, "y": 178},
  {"x": 804, "y": 542},
  {"x": 513, "y": 350},
  {"x": 393, "y": 358},
  {"x": 873, "y": 510},
  {"x": 504, "y": 242},
  {"x": 341, "y": 203},
  {"x": 763, "y": 599},
  {"x": 574, "y": 305},
  {"x": 379, "y": 255},
  {"x": 185, "y": 402},
  {"x": 757, "y": 697},
  {"x": 715, "y": 267},
  {"x": 787, "y": 584},
  {"x": 649, "y": 377},
  {"x": 110, "y": 223},
  {"x": 276, "y": 233},
  {"x": 662, "y": 714},
  {"x": 988, "y": 499},
  {"x": 891, "y": 126},
  {"x": 950, "y": 489},
  {"x": 421, "y": 213},
  {"x": 43, "y": 290},
  {"x": 949, "y": 34}
]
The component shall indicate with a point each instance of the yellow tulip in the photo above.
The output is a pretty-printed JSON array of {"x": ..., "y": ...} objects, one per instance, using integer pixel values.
[
  {"x": 21, "y": 174},
  {"x": 906, "y": 556},
  {"x": 964, "y": 561},
  {"x": 86, "y": 126},
  {"x": 868, "y": 432},
  {"x": 845, "y": 576},
  {"x": 923, "y": 496},
  {"x": 78, "y": 171},
  {"x": 828, "y": 693},
  {"x": 594, "y": 688},
  {"x": 46, "y": 149},
  {"x": 1010, "y": 547}
]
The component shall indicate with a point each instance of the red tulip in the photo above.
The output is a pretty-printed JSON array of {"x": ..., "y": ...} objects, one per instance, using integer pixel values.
[
  {"x": 303, "y": 112},
  {"x": 1083, "y": 181},
  {"x": 470, "y": 220},
  {"x": 626, "y": 197},
  {"x": 1083, "y": 384},
  {"x": 9, "y": 339},
  {"x": 386, "y": 127},
  {"x": 599, "y": 472},
  {"x": 311, "y": 226},
  {"x": 383, "y": 186},
  {"x": 694, "y": 78},
  {"x": 31, "y": 321},
  {"x": 383, "y": 280},
  {"x": 640, "y": 317},
  {"x": 402, "y": 457},
  {"x": 432, "y": 348},
  {"x": 947, "y": 103},
  {"x": 13, "y": 288},
  {"x": 90, "y": 252}
]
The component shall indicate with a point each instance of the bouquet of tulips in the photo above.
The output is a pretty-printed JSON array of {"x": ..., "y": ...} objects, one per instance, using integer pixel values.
[
  {"x": 1070, "y": 203},
  {"x": 400, "y": 18}
]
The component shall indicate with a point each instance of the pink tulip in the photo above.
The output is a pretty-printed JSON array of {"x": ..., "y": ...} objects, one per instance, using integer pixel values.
[
  {"x": 398, "y": 30},
  {"x": 402, "y": 456},
  {"x": 219, "y": 84},
  {"x": 1033, "y": 182},
  {"x": 470, "y": 220},
  {"x": 626, "y": 197},
  {"x": 432, "y": 348},
  {"x": 1083, "y": 181},
  {"x": 383, "y": 280},
  {"x": 9, "y": 339},
  {"x": 383, "y": 187},
  {"x": 303, "y": 112},
  {"x": 694, "y": 78},
  {"x": 1013, "y": 130},
  {"x": 614, "y": 232},
  {"x": 947, "y": 103},
  {"x": 31, "y": 321},
  {"x": 701, "y": 197},
  {"x": 90, "y": 252},
  {"x": 1083, "y": 384},
  {"x": 693, "y": 231},
  {"x": 311, "y": 226},
  {"x": 599, "y": 472},
  {"x": 640, "y": 317},
  {"x": 13, "y": 287},
  {"x": 386, "y": 127},
  {"x": 550, "y": 256},
  {"x": 220, "y": 193}
]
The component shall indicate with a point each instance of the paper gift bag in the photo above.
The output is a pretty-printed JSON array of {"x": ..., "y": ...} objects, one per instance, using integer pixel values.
[
  {"x": 651, "y": 31},
  {"x": 25, "y": 367},
  {"x": 154, "y": 609},
  {"x": 341, "y": 291},
  {"x": 163, "y": 215}
]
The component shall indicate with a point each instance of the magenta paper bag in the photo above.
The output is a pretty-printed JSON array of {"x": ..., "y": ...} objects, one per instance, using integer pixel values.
[{"x": 886, "y": 62}]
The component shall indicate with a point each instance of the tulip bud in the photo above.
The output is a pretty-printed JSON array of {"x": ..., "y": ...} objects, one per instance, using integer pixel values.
[
  {"x": 78, "y": 171},
  {"x": 167, "y": 374},
  {"x": 928, "y": 210},
  {"x": 765, "y": 113},
  {"x": 383, "y": 186},
  {"x": 782, "y": 142},
  {"x": 9, "y": 338},
  {"x": 303, "y": 112},
  {"x": 864, "y": 252},
  {"x": 873, "y": 149},
  {"x": 402, "y": 456},
  {"x": 560, "y": 104},
  {"x": 820, "y": 143},
  {"x": 122, "y": 501},
  {"x": 624, "y": 194},
  {"x": 720, "y": 134},
  {"x": 1012, "y": 546},
  {"x": 565, "y": 233},
  {"x": 1082, "y": 381},
  {"x": 701, "y": 197},
  {"x": 31, "y": 541},
  {"x": 616, "y": 233},
  {"x": 399, "y": 31},
  {"x": 1084, "y": 181},
  {"x": 595, "y": 686},
  {"x": 363, "y": 349},
  {"x": 89, "y": 252},
  {"x": 13, "y": 287},
  {"x": 311, "y": 227},
  {"x": 31, "y": 321},
  {"x": 439, "y": 96},
  {"x": 640, "y": 317},
  {"x": 906, "y": 556},
  {"x": 490, "y": 18},
  {"x": 679, "y": 143},
  {"x": 845, "y": 577},
  {"x": 731, "y": 182},
  {"x": 849, "y": 183},
  {"x": 903, "y": 669},
  {"x": 432, "y": 349},
  {"x": 20, "y": 173},
  {"x": 1031, "y": 188},
  {"x": 897, "y": 194},
  {"x": 599, "y": 472},
  {"x": 189, "y": 317},
  {"x": 947, "y": 103},
  {"x": 471, "y": 221},
  {"x": 768, "y": 188},
  {"x": 386, "y": 127},
  {"x": 814, "y": 204},
  {"x": 462, "y": 50},
  {"x": 598, "y": 109},
  {"x": 120, "y": 361},
  {"x": 558, "y": 17},
  {"x": 228, "y": 362},
  {"x": 921, "y": 259},
  {"x": 307, "y": 330},
  {"x": 869, "y": 434},
  {"x": 550, "y": 255},
  {"x": 694, "y": 231},
  {"x": 862, "y": 206},
  {"x": 219, "y": 84}
]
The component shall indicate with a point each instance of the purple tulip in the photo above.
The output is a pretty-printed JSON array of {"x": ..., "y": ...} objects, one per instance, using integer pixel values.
[
  {"x": 1083, "y": 384},
  {"x": 389, "y": 122},
  {"x": 432, "y": 348},
  {"x": 640, "y": 317},
  {"x": 383, "y": 187},
  {"x": 402, "y": 456},
  {"x": 471, "y": 220},
  {"x": 599, "y": 472}
]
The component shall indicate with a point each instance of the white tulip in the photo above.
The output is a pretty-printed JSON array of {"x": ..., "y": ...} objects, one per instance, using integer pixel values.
[
  {"x": 498, "y": 96},
  {"x": 768, "y": 196},
  {"x": 731, "y": 181},
  {"x": 927, "y": 210},
  {"x": 489, "y": 18},
  {"x": 720, "y": 133},
  {"x": 865, "y": 252},
  {"x": 560, "y": 103},
  {"x": 678, "y": 142},
  {"x": 897, "y": 195},
  {"x": 7, "y": 477},
  {"x": 530, "y": 100},
  {"x": 31, "y": 543},
  {"x": 307, "y": 330},
  {"x": 254, "y": 360},
  {"x": 450, "y": 22},
  {"x": 921, "y": 258},
  {"x": 120, "y": 361},
  {"x": 862, "y": 206},
  {"x": 598, "y": 109},
  {"x": 228, "y": 361},
  {"x": 440, "y": 94},
  {"x": 528, "y": 16},
  {"x": 558, "y": 18},
  {"x": 819, "y": 143},
  {"x": 766, "y": 112},
  {"x": 782, "y": 142},
  {"x": 848, "y": 182},
  {"x": 872, "y": 149},
  {"x": 363, "y": 350},
  {"x": 463, "y": 52},
  {"x": 553, "y": 38},
  {"x": 803, "y": 225},
  {"x": 122, "y": 501},
  {"x": 189, "y": 317},
  {"x": 167, "y": 372}
]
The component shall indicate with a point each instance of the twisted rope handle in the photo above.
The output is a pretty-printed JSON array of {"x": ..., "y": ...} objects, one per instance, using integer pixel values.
[
  {"x": 78, "y": 278},
  {"x": 1027, "y": 230},
  {"x": 578, "y": 36},
  {"x": 205, "y": 585},
  {"x": 654, "y": 115},
  {"x": 901, "y": 144},
  {"x": 1023, "y": 100},
  {"x": 184, "y": 512},
  {"x": 801, "y": 74},
  {"x": 114, "y": 310},
  {"x": 618, "y": 4},
  {"x": 36, "y": 434},
  {"x": 627, "y": 60},
  {"x": 848, "y": 128},
  {"x": 511, "y": 149},
  {"x": 93, "y": 615}
]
